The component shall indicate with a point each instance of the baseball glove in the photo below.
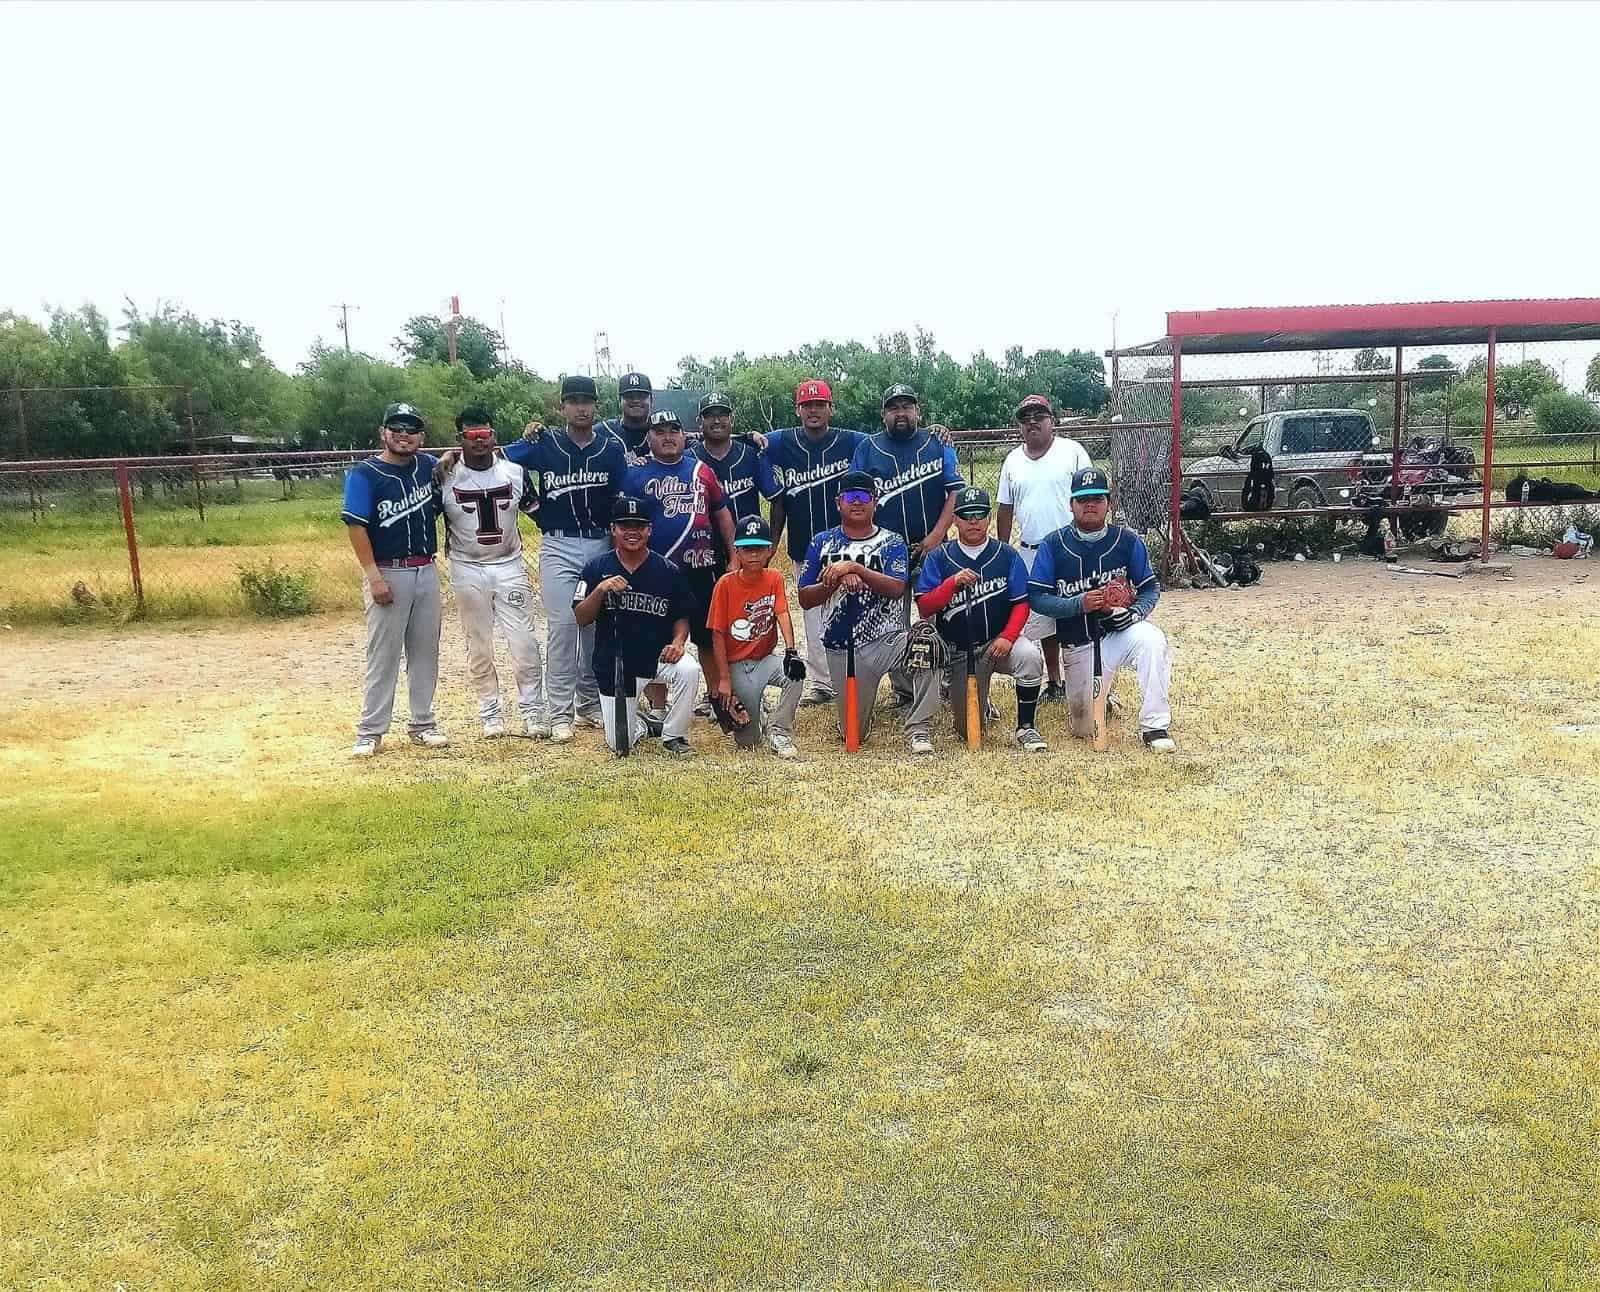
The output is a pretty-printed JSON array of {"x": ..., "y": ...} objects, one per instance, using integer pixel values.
[
  {"x": 1119, "y": 593},
  {"x": 925, "y": 649}
]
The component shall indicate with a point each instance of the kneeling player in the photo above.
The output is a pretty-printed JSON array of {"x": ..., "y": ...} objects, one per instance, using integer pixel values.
[
  {"x": 640, "y": 605},
  {"x": 977, "y": 587},
  {"x": 1078, "y": 579},
  {"x": 748, "y": 611}
]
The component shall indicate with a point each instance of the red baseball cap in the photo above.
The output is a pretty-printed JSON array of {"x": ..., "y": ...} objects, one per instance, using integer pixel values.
[
  {"x": 1035, "y": 401},
  {"x": 813, "y": 390}
]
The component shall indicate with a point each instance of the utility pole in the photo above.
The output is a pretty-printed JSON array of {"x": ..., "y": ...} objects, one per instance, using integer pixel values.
[
  {"x": 505, "y": 346},
  {"x": 602, "y": 354},
  {"x": 455, "y": 313},
  {"x": 344, "y": 321}
]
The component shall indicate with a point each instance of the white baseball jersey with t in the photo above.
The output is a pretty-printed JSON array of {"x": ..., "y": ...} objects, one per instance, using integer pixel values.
[
  {"x": 480, "y": 511},
  {"x": 1040, "y": 489}
]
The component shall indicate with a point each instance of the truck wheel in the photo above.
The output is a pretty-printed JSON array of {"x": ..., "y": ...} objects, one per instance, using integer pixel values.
[{"x": 1305, "y": 497}]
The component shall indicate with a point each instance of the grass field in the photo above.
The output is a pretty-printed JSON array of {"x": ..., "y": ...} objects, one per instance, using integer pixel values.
[{"x": 1313, "y": 1003}]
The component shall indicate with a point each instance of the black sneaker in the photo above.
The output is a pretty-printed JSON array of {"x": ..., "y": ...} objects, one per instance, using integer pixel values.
[
  {"x": 652, "y": 724},
  {"x": 1159, "y": 740},
  {"x": 1055, "y": 691},
  {"x": 678, "y": 747}
]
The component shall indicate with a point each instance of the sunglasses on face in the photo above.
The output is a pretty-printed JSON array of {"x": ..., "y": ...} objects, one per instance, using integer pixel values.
[
  {"x": 858, "y": 497},
  {"x": 1036, "y": 418}
]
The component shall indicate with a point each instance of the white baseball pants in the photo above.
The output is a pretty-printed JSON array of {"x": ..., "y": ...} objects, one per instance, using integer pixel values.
[
  {"x": 1143, "y": 648},
  {"x": 493, "y": 594},
  {"x": 683, "y": 684}
]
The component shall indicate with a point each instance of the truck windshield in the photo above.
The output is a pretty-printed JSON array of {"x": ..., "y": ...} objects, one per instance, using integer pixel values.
[{"x": 1335, "y": 434}]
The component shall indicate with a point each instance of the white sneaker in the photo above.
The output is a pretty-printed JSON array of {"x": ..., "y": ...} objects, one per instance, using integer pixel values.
[
  {"x": 1031, "y": 740},
  {"x": 561, "y": 732},
  {"x": 592, "y": 719},
  {"x": 366, "y": 746},
  {"x": 493, "y": 729},
  {"x": 1161, "y": 741},
  {"x": 782, "y": 745},
  {"x": 432, "y": 738},
  {"x": 536, "y": 728},
  {"x": 919, "y": 743},
  {"x": 992, "y": 712}
]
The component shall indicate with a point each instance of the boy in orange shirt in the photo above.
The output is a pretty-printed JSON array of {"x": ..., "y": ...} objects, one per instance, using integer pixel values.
[{"x": 748, "y": 611}]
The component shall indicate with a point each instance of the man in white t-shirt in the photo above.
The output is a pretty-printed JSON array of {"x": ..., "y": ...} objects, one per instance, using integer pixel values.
[
  {"x": 482, "y": 498},
  {"x": 1036, "y": 492}
]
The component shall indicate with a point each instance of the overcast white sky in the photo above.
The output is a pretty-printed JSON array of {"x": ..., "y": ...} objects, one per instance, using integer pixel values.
[{"x": 705, "y": 178}]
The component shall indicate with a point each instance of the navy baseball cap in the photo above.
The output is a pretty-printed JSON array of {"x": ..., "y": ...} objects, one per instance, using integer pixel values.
[
  {"x": 716, "y": 399},
  {"x": 899, "y": 391},
  {"x": 752, "y": 531},
  {"x": 1090, "y": 482},
  {"x": 971, "y": 503},
  {"x": 403, "y": 415},
  {"x": 862, "y": 480},
  {"x": 578, "y": 388},
  {"x": 666, "y": 417},
  {"x": 627, "y": 507},
  {"x": 634, "y": 383}
]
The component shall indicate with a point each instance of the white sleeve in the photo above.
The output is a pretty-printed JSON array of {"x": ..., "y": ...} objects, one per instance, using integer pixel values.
[
  {"x": 1084, "y": 460},
  {"x": 1003, "y": 494}
]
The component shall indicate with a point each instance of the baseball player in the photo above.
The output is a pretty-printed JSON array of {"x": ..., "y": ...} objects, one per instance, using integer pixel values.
[
  {"x": 577, "y": 472},
  {"x": 917, "y": 480},
  {"x": 638, "y": 397},
  {"x": 856, "y": 574},
  {"x": 733, "y": 460},
  {"x": 1072, "y": 581},
  {"x": 481, "y": 499},
  {"x": 638, "y": 602},
  {"x": 1036, "y": 492},
  {"x": 685, "y": 501},
  {"x": 749, "y": 610},
  {"x": 391, "y": 513},
  {"x": 974, "y": 590},
  {"x": 799, "y": 473}
]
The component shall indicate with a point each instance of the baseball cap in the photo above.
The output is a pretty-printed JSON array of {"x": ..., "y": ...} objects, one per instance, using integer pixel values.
[
  {"x": 899, "y": 391},
  {"x": 634, "y": 383},
  {"x": 1090, "y": 482},
  {"x": 578, "y": 387},
  {"x": 752, "y": 531},
  {"x": 666, "y": 417},
  {"x": 971, "y": 503},
  {"x": 627, "y": 507},
  {"x": 862, "y": 480},
  {"x": 404, "y": 415},
  {"x": 1035, "y": 401},
  {"x": 716, "y": 399},
  {"x": 813, "y": 390}
]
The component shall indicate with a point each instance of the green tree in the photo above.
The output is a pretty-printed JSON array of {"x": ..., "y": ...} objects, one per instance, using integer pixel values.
[
  {"x": 1370, "y": 360},
  {"x": 1591, "y": 378},
  {"x": 1518, "y": 385},
  {"x": 1560, "y": 412},
  {"x": 426, "y": 339},
  {"x": 344, "y": 396}
]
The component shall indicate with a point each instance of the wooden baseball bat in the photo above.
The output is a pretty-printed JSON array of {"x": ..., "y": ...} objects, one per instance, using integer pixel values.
[
  {"x": 1097, "y": 701},
  {"x": 619, "y": 683},
  {"x": 974, "y": 712}
]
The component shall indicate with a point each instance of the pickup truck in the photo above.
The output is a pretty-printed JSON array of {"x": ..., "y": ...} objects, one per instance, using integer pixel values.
[{"x": 1323, "y": 457}]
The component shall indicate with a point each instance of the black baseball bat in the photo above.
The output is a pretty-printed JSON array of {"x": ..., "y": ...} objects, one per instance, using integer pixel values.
[{"x": 619, "y": 683}]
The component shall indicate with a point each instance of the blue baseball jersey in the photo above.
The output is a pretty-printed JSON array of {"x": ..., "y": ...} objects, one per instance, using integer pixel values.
[
  {"x": 576, "y": 485},
  {"x": 803, "y": 472},
  {"x": 397, "y": 505},
  {"x": 631, "y": 438},
  {"x": 1068, "y": 566},
  {"x": 643, "y": 618},
  {"x": 866, "y": 613},
  {"x": 680, "y": 498},
  {"x": 737, "y": 472},
  {"x": 914, "y": 477},
  {"x": 1002, "y": 585}
]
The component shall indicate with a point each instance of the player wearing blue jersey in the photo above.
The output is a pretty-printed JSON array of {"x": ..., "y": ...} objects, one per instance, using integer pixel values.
[
  {"x": 637, "y": 397},
  {"x": 1070, "y": 582},
  {"x": 973, "y": 592},
  {"x": 638, "y": 604},
  {"x": 392, "y": 513},
  {"x": 917, "y": 480},
  {"x": 735, "y": 463},
  {"x": 577, "y": 471},
  {"x": 799, "y": 477},
  {"x": 855, "y": 575}
]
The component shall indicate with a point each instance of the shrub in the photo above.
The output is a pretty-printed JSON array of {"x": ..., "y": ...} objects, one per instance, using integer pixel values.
[
  {"x": 1559, "y": 412},
  {"x": 276, "y": 592}
]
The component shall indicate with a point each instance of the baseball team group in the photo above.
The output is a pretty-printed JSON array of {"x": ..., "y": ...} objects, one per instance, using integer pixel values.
[{"x": 652, "y": 541}]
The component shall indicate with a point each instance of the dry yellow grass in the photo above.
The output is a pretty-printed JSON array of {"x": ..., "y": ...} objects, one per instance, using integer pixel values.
[{"x": 1312, "y": 1003}]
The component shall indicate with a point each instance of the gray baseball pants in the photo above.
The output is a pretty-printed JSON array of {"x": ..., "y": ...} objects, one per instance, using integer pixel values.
[
  {"x": 569, "y": 650},
  {"x": 1025, "y": 663},
  {"x": 751, "y": 677},
  {"x": 873, "y": 661},
  {"x": 409, "y": 624}
]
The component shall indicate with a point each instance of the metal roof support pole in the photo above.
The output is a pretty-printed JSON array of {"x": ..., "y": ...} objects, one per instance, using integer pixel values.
[
  {"x": 1175, "y": 539},
  {"x": 1488, "y": 445},
  {"x": 1399, "y": 416}
]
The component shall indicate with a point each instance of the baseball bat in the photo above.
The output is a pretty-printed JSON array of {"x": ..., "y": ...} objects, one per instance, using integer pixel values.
[
  {"x": 852, "y": 696},
  {"x": 619, "y": 684},
  {"x": 974, "y": 713},
  {"x": 1097, "y": 700}
]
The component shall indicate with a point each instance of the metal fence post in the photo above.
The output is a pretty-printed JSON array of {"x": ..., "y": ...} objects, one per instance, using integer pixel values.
[
  {"x": 133, "y": 538},
  {"x": 1488, "y": 443}
]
